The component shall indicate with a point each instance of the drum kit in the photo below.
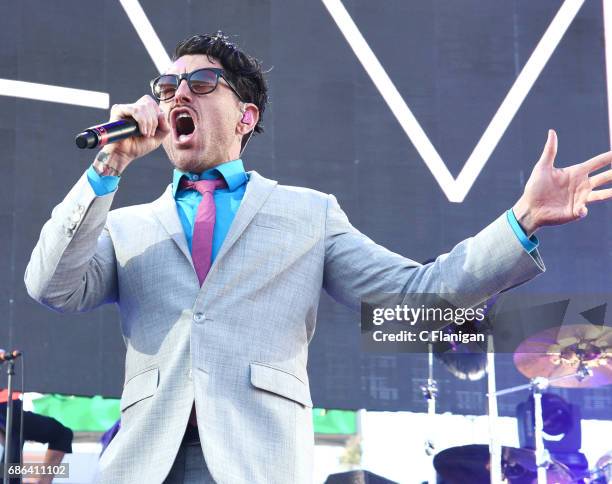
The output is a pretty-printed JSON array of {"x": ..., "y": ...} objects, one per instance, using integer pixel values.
[{"x": 571, "y": 356}]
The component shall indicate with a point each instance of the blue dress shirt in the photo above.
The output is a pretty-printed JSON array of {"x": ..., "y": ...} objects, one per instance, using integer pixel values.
[{"x": 227, "y": 201}]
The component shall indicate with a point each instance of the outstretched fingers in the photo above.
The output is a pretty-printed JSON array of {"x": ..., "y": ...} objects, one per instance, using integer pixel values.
[
  {"x": 597, "y": 162},
  {"x": 601, "y": 179},
  {"x": 600, "y": 195}
]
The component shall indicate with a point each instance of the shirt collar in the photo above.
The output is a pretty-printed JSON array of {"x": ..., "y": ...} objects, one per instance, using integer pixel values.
[{"x": 231, "y": 171}]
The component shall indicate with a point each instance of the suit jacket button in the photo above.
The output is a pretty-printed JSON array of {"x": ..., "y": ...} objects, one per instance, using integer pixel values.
[{"x": 198, "y": 317}]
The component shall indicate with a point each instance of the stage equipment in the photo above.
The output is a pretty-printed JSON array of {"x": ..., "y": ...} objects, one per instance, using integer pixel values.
[
  {"x": 561, "y": 421},
  {"x": 465, "y": 365},
  {"x": 495, "y": 449},
  {"x": 582, "y": 351},
  {"x": 357, "y": 477},
  {"x": 562, "y": 431},
  {"x": 430, "y": 392},
  {"x": 602, "y": 474},
  {"x": 10, "y": 372},
  {"x": 470, "y": 362},
  {"x": 471, "y": 463},
  {"x": 573, "y": 356}
]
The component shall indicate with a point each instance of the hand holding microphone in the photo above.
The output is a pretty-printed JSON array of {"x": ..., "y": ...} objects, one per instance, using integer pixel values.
[
  {"x": 133, "y": 129},
  {"x": 10, "y": 355}
]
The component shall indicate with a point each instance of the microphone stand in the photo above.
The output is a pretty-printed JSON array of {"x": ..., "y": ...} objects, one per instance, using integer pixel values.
[
  {"x": 10, "y": 372},
  {"x": 430, "y": 392},
  {"x": 495, "y": 450},
  {"x": 537, "y": 386}
]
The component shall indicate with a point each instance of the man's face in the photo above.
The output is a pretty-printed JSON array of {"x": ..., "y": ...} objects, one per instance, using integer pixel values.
[{"x": 215, "y": 117}]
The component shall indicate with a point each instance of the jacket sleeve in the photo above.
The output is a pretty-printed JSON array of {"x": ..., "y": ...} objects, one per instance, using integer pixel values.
[
  {"x": 73, "y": 267},
  {"x": 358, "y": 269}
]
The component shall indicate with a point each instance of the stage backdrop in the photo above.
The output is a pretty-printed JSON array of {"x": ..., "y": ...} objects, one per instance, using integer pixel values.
[{"x": 339, "y": 121}]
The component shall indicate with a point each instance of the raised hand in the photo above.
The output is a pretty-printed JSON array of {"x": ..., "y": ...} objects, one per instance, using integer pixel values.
[
  {"x": 555, "y": 196},
  {"x": 153, "y": 126}
]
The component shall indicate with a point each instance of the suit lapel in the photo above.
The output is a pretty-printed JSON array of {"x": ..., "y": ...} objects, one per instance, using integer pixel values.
[
  {"x": 164, "y": 209},
  {"x": 257, "y": 192}
]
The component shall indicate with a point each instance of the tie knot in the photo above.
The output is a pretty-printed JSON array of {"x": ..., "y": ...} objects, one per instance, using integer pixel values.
[{"x": 203, "y": 186}]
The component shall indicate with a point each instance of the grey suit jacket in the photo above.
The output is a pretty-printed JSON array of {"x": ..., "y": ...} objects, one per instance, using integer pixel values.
[{"x": 239, "y": 344}]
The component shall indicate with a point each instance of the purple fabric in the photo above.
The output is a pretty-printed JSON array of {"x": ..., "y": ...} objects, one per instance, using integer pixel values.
[{"x": 109, "y": 435}]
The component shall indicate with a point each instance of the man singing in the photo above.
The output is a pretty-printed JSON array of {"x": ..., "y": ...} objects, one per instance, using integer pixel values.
[{"x": 218, "y": 280}]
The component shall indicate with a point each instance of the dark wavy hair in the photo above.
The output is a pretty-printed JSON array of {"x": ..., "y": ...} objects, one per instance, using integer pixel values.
[{"x": 243, "y": 71}]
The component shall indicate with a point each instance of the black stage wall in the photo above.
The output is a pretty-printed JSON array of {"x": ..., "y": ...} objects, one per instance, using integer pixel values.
[{"x": 328, "y": 128}]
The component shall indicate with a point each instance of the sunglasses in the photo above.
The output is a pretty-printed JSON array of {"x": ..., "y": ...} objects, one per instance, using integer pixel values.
[{"x": 200, "y": 81}]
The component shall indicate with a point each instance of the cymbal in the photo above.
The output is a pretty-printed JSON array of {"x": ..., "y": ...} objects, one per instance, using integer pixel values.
[
  {"x": 566, "y": 350},
  {"x": 605, "y": 460},
  {"x": 469, "y": 464}
]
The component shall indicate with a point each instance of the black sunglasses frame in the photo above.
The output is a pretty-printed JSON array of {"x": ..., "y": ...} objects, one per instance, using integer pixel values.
[{"x": 187, "y": 76}]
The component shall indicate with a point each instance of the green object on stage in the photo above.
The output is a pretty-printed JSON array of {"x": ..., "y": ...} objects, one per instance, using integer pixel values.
[
  {"x": 81, "y": 414},
  {"x": 334, "y": 421},
  {"x": 98, "y": 414}
]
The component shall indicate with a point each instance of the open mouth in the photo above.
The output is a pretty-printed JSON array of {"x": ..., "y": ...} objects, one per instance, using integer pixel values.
[{"x": 184, "y": 125}]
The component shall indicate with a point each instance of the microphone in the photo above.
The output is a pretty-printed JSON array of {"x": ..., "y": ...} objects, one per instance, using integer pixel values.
[
  {"x": 103, "y": 134},
  {"x": 13, "y": 355}
]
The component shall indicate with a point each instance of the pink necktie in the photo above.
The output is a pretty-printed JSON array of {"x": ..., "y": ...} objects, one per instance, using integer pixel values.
[{"x": 201, "y": 242}]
